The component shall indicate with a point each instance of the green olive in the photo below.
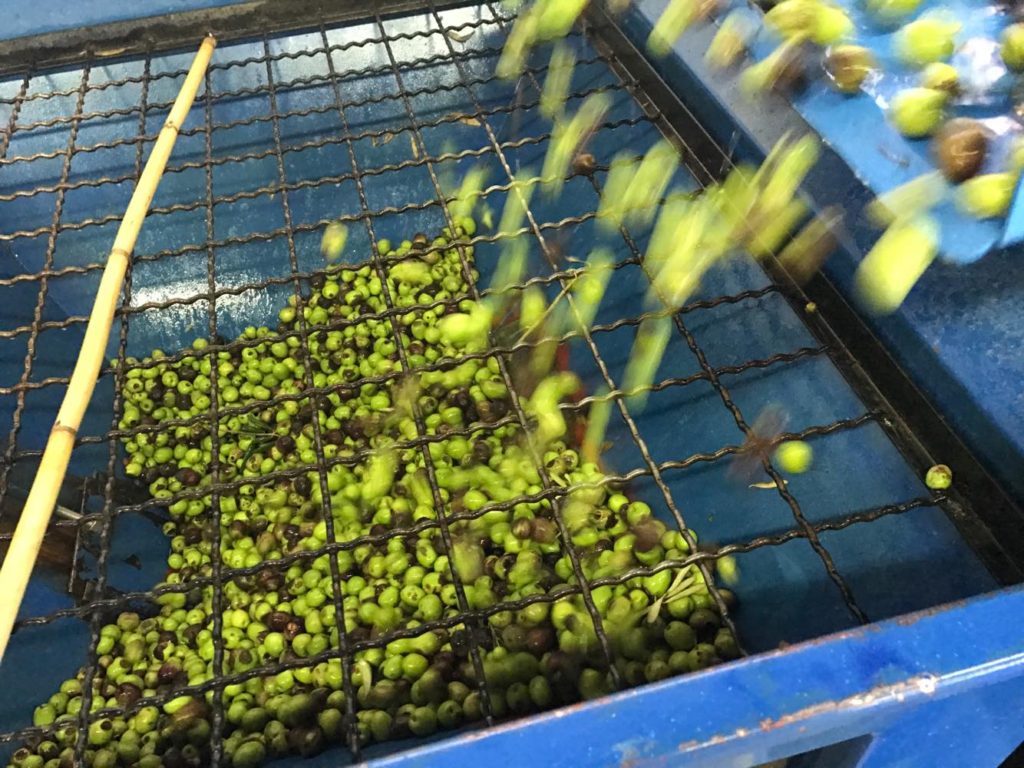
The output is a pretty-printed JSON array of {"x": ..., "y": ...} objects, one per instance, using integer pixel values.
[
  {"x": 926, "y": 40},
  {"x": 1012, "y": 49},
  {"x": 917, "y": 112},
  {"x": 987, "y": 196},
  {"x": 892, "y": 10},
  {"x": 941, "y": 76}
]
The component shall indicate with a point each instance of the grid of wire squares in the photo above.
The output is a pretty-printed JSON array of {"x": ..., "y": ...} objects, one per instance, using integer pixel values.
[{"x": 392, "y": 93}]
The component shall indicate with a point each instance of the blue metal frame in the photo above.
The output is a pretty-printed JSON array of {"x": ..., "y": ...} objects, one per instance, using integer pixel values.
[
  {"x": 942, "y": 687},
  {"x": 939, "y": 688},
  {"x": 25, "y": 19}
]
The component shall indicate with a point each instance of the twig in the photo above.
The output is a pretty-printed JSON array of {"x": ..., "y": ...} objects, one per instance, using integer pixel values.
[{"x": 28, "y": 537}]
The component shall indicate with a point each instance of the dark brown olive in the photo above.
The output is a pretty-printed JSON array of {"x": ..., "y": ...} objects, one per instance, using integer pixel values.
[
  {"x": 189, "y": 477},
  {"x": 847, "y": 66},
  {"x": 960, "y": 147},
  {"x": 482, "y": 450},
  {"x": 544, "y": 531},
  {"x": 168, "y": 673},
  {"x": 127, "y": 694},
  {"x": 292, "y": 629},
  {"x": 522, "y": 528},
  {"x": 277, "y": 620},
  {"x": 647, "y": 535},
  {"x": 812, "y": 245},
  {"x": 705, "y": 9},
  {"x": 789, "y": 74},
  {"x": 172, "y": 758},
  {"x": 584, "y": 164},
  {"x": 302, "y": 485},
  {"x": 540, "y": 640},
  {"x": 269, "y": 580}
]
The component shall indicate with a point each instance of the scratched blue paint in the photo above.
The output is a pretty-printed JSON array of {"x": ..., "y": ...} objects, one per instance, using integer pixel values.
[{"x": 785, "y": 593}]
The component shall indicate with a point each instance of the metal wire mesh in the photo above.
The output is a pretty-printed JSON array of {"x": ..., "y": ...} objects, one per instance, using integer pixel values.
[{"x": 459, "y": 74}]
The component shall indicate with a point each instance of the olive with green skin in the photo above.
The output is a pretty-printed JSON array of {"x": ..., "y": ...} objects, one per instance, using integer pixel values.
[
  {"x": 939, "y": 477},
  {"x": 423, "y": 721},
  {"x": 702, "y": 657},
  {"x": 892, "y": 10},
  {"x": 917, "y": 112},
  {"x": 1012, "y": 47},
  {"x": 926, "y": 40},
  {"x": 726, "y": 646},
  {"x": 988, "y": 195},
  {"x": 249, "y": 754},
  {"x": 941, "y": 76},
  {"x": 680, "y": 636}
]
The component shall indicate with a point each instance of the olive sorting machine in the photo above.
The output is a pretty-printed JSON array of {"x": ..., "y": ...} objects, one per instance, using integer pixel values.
[{"x": 878, "y": 617}]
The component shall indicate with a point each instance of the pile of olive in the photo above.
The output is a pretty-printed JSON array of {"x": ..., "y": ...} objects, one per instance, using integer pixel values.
[{"x": 422, "y": 541}]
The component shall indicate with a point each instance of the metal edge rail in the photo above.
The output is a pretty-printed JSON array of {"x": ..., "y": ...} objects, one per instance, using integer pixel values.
[
  {"x": 178, "y": 30},
  {"x": 983, "y": 511},
  {"x": 910, "y": 686}
]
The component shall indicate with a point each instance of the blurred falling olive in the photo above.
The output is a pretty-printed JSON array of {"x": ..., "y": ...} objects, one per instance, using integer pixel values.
[
  {"x": 960, "y": 147},
  {"x": 790, "y": 74},
  {"x": 941, "y": 76},
  {"x": 807, "y": 251},
  {"x": 848, "y": 66}
]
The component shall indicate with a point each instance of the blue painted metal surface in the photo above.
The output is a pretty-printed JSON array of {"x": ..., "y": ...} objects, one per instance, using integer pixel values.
[
  {"x": 857, "y": 128},
  {"x": 883, "y": 676},
  {"x": 960, "y": 331}
]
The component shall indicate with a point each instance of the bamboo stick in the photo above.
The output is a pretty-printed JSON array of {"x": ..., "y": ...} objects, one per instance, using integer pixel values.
[{"x": 35, "y": 516}]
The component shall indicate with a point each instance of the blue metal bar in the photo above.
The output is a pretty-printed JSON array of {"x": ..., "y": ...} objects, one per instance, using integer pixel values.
[
  {"x": 37, "y": 18},
  {"x": 941, "y": 687}
]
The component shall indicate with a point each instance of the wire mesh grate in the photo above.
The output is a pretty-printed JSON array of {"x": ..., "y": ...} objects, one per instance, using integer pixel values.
[{"x": 370, "y": 124}]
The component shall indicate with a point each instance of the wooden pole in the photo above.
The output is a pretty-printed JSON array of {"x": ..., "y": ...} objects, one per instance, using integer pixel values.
[{"x": 35, "y": 516}]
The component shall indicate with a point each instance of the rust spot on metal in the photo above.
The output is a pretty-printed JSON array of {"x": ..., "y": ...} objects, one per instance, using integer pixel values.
[
  {"x": 912, "y": 618},
  {"x": 897, "y": 691},
  {"x": 712, "y": 741},
  {"x": 918, "y": 684}
]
